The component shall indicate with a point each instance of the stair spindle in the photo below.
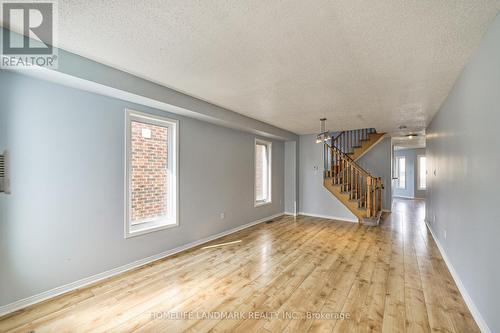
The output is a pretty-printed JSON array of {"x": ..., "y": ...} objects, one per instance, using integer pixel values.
[
  {"x": 350, "y": 142},
  {"x": 331, "y": 161},
  {"x": 345, "y": 175},
  {"x": 352, "y": 183},
  {"x": 337, "y": 166},
  {"x": 350, "y": 179},
  {"x": 335, "y": 173},
  {"x": 353, "y": 190},
  {"x": 379, "y": 208},
  {"x": 341, "y": 145},
  {"x": 343, "y": 141},
  {"x": 368, "y": 199},
  {"x": 342, "y": 178}
]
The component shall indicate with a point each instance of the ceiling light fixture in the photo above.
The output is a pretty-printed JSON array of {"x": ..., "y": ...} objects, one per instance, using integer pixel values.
[{"x": 324, "y": 135}]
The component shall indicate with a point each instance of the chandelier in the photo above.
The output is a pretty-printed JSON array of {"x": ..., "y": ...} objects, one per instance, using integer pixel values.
[{"x": 324, "y": 135}]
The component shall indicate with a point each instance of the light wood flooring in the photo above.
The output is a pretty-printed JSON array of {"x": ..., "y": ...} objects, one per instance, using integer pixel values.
[{"x": 292, "y": 275}]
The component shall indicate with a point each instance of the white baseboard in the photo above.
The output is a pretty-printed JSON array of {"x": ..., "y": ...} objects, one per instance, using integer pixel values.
[
  {"x": 5, "y": 309},
  {"x": 292, "y": 214},
  {"x": 466, "y": 296},
  {"x": 346, "y": 219}
]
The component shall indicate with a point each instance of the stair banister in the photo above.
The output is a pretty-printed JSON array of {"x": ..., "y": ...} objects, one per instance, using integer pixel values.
[{"x": 359, "y": 184}]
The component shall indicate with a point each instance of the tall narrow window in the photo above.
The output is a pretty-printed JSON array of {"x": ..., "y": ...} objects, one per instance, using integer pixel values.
[
  {"x": 401, "y": 171},
  {"x": 422, "y": 173},
  {"x": 262, "y": 172},
  {"x": 151, "y": 170}
]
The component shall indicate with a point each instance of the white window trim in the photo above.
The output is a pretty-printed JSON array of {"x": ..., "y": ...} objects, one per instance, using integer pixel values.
[
  {"x": 399, "y": 187},
  {"x": 137, "y": 229},
  {"x": 419, "y": 187},
  {"x": 269, "y": 170}
]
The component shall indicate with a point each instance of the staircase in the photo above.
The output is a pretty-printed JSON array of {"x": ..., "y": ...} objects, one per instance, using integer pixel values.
[
  {"x": 358, "y": 142},
  {"x": 356, "y": 188}
]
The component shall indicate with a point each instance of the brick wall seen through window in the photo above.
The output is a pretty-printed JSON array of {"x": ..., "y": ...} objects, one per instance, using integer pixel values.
[{"x": 148, "y": 171}]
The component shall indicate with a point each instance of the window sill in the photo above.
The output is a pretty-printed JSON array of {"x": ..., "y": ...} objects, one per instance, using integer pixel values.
[
  {"x": 262, "y": 203},
  {"x": 148, "y": 227}
]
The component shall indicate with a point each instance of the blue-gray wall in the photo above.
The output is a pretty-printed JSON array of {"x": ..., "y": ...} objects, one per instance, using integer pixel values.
[
  {"x": 377, "y": 161},
  {"x": 80, "y": 72},
  {"x": 64, "y": 219},
  {"x": 411, "y": 157},
  {"x": 463, "y": 157},
  {"x": 291, "y": 178},
  {"x": 314, "y": 198}
]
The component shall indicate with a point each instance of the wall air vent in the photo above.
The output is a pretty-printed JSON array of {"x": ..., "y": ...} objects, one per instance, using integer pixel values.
[{"x": 4, "y": 173}]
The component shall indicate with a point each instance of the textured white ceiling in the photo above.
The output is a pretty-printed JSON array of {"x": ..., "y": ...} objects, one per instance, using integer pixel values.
[
  {"x": 405, "y": 142},
  {"x": 359, "y": 63}
]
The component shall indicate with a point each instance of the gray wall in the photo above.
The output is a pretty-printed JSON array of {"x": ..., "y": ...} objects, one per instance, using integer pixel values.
[
  {"x": 64, "y": 219},
  {"x": 291, "y": 188},
  {"x": 463, "y": 186},
  {"x": 411, "y": 190},
  {"x": 377, "y": 161},
  {"x": 314, "y": 198},
  {"x": 77, "y": 71}
]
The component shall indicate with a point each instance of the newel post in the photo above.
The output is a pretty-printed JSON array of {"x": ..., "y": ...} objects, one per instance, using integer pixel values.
[{"x": 369, "y": 196}]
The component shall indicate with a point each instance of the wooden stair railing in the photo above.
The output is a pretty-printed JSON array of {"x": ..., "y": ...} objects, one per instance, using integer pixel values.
[
  {"x": 356, "y": 142},
  {"x": 348, "y": 140},
  {"x": 353, "y": 180}
]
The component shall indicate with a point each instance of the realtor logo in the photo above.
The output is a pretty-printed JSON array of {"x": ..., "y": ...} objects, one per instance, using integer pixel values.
[{"x": 28, "y": 34}]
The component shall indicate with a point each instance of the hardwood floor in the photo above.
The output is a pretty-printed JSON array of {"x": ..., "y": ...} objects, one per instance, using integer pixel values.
[{"x": 291, "y": 275}]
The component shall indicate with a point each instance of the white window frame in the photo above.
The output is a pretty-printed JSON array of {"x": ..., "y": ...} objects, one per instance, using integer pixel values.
[
  {"x": 419, "y": 185},
  {"x": 269, "y": 146},
  {"x": 398, "y": 175},
  {"x": 172, "y": 219}
]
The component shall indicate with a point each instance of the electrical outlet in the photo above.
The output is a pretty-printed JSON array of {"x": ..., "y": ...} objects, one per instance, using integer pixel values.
[
  {"x": 222, "y": 216},
  {"x": 445, "y": 234}
]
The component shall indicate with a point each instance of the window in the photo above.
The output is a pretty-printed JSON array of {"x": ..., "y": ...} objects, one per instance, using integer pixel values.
[
  {"x": 151, "y": 173},
  {"x": 422, "y": 173},
  {"x": 262, "y": 172},
  {"x": 401, "y": 171}
]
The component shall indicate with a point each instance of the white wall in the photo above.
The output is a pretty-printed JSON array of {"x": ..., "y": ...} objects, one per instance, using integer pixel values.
[
  {"x": 64, "y": 219},
  {"x": 462, "y": 191},
  {"x": 411, "y": 157}
]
